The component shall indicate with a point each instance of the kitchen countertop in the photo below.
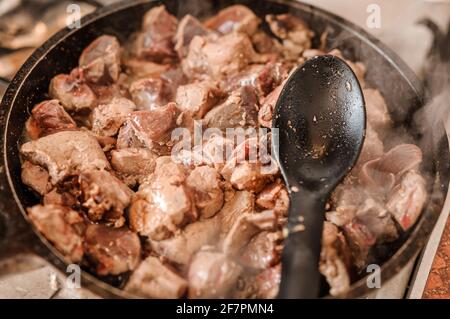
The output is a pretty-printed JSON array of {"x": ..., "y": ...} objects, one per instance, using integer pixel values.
[{"x": 438, "y": 283}]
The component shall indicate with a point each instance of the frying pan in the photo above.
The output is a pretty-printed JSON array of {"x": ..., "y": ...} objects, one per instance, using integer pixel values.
[{"x": 385, "y": 71}]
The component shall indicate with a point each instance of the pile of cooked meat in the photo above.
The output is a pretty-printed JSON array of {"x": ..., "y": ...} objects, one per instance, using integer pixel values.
[{"x": 117, "y": 201}]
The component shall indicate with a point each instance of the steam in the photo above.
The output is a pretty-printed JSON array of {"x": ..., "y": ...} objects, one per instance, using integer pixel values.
[{"x": 434, "y": 115}]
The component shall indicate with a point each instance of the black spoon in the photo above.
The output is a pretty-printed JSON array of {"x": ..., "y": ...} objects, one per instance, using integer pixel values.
[{"x": 321, "y": 120}]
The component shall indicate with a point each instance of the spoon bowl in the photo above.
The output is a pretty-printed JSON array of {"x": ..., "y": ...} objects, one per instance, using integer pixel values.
[{"x": 318, "y": 128}]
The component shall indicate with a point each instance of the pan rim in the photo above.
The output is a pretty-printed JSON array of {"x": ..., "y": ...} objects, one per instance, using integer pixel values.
[{"x": 357, "y": 289}]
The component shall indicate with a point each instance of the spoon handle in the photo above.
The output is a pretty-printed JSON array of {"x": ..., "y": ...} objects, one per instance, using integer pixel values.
[{"x": 300, "y": 277}]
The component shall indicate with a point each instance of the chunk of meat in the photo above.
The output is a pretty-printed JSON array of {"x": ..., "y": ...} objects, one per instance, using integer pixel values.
[
  {"x": 239, "y": 110},
  {"x": 283, "y": 24},
  {"x": 381, "y": 173},
  {"x": 216, "y": 150},
  {"x": 268, "y": 282},
  {"x": 263, "y": 251},
  {"x": 153, "y": 279},
  {"x": 264, "y": 78},
  {"x": 105, "y": 196},
  {"x": 360, "y": 241},
  {"x": 267, "y": 108},
  {"x": 239, "y": 203},
  {"x": 62, "y": 227},
  {"x": 167, "y": 169},
  {"x": 154, "y": 42},
  {"x": 372, "y": 148},
  {"x": 48, "y": 117},
  {"x": 249, "y": 76},
  {"x": 100, "y": 60},
  {"x": 181, "y": 247},
  {"x": 107, "y": 143},
  {"x": 377, "y": 111},
  {"x": 348, "y": 194},
  {"x": 164, "y": 204},
  {"x": 245, "y": 228},
  {"x": 274, "y": 197},
  {"x": 335, "y": 260},
  {"x": 108, "y": 118},
  {"x": 250, "y": 176},
  {"x": 127, "y": 137},
  {"x": 212, "y": 275},
  {"x": 197, "y": 98},
  {"x": 374, "y": 215},
  {"x": 400, "y": 159},
  {"x": 341, "y": 216},
  {"x": 36, "y": 177},
  {"x": 188, "y": 157},
  {"x": 217, "y": 57},
  {"x": 364, "y": 207},
  {"x": 345, "y": 199},
  {"x": 294, "y": 33},
  {"x": 173, "y": 78},
  {"x": 188, "y": 28},
  {"x": 141, "y": 68},
  {"x": 149, "y": 93},
  {"x": 407, "y": 199},
  {"x": 32, "y": 130},
  {"x": 153, "y": 126},
  {"x": 65, "y": 153},
  {"x": 133, "y": 164},
  {"x": 250, "y": 166},
  {"x": 373, "y": 177},
  {"x": 159, "y": 21},
  {"x": 62, "y": 198},
  {"x": 271, "y": 76},
  {"x": 208, "y": 194},
  {"x": 106, "y": 93},
  {"x": 237, "y": 18},
  {"x": 165, "y": 209},
  {"x": 265, "y": 44},
  {"x": 72, "y": 92},
  {"x": 112, "y": 251}
]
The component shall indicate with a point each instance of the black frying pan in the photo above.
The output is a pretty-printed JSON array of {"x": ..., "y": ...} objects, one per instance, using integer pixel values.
[{"x": 60, "y": 54}]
